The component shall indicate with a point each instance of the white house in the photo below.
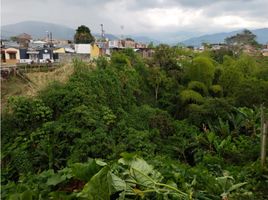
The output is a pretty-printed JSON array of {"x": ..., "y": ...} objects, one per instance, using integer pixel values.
[
  {"x": 114, "y": 44},
  {"x": 83, "y": 48}
]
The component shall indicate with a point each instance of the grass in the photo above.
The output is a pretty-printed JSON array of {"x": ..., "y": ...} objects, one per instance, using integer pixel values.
[{"x": 19, "y": 86}]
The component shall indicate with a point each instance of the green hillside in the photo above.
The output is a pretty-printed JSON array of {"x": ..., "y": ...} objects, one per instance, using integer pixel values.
[{"x": 181, "y": 125}]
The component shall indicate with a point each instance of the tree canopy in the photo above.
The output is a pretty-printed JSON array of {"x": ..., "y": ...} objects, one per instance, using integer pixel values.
[
  {"x": 83, "y": 35},
  {"x": 243, "y": 38}
]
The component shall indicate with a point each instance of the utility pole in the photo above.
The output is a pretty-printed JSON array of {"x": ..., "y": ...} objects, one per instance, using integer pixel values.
[
  {"x": 51, "y": 47},
  {"x": 264, "y": 127},
  {"x": 102, "y": 32},
  {"x": 50, "y": 39},
  {"x": 47, "y": 37}
]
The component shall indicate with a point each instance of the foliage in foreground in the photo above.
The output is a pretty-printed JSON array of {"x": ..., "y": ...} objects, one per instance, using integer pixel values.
[{"x": 200, "y": 132}]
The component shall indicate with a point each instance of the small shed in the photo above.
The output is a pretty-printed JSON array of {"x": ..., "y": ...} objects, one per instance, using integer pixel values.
[{"x": 12, "y": 55}]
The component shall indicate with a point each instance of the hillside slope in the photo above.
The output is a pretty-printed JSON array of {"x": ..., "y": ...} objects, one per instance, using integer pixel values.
[{"x": 17, "y": 86}]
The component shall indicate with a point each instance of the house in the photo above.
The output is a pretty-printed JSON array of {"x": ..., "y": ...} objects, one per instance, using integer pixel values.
[
  {"x": 217, "y": 46},
  {"x": 24, "y": 57},
  {"x": 265, "y": 52},
  {"x": 59, "y": 50},
  {"x": 128, "y": 43},
  {"x": 82, "y": 48},
  {"x": 249, "y": 49},
  {"x": 38, "y": 55},
  {"x": 33, "y": 55},
  {"x": 115, "y": 44},
  {"x": 104, "y": 48},
  {"x": 146, "y": 52},
  {"x": 12, "y": 55},
  {"x": 95, "y": 51},
  {"x": 140, "y": 46},
  {"x": 45, "y": 55}
]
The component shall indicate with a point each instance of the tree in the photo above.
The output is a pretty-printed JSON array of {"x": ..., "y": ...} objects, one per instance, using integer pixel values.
[
  {"x": 156, "y": 79},
  {"x": 129, "y": 39},
  {"x": 165, "y": 57},
  {"x": 83, "y": 35},
  {"x": 230, "y": 80},
  {"x": 246, "y": 37},
  {"x": 201, "y": 70}
]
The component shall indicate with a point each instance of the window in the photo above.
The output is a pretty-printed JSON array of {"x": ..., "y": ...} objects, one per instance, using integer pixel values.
[{"x": 12, "y": 56}]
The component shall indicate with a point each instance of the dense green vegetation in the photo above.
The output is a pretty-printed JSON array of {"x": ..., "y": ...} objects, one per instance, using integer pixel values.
[
  {"x": 181, "y": 125},
  {"x": 83, "y": 35}
]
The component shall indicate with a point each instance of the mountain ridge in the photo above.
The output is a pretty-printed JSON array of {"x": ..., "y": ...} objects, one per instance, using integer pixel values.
[
  {"x": 262, "y": 37},
  {"x": 38, "y": 30}
]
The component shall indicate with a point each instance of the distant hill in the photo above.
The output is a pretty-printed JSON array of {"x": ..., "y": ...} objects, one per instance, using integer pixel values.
[
  {"x": 107, "y": 35},
  {"x": 37, "y": 30},
  {"x": 262, "y": 37},
  {"x": 144, "y": 39}
]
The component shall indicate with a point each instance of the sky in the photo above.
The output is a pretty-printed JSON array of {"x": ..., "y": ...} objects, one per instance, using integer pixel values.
[{"x": 142, "y": 17}]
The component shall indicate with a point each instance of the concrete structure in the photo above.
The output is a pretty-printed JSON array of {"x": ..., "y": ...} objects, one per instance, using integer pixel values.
[
  {"x": 83, "y": 48},
  {"x": 115, "y": 44},
  {"x": 68, "y": 57},
  {"x": 140, "y": 46},
  {"x": 95, "y": 51},
  {"x": 59, "y": 50},
  {"x": 265, "y": 52},
  {"x": 12, "y": 55},
  {"x": 250, "y": 50},
  {"x": 129, "y": 44},
  {"x": 146, "y": 52}
]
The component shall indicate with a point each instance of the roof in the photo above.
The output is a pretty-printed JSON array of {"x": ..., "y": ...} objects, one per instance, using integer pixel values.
[
  {"x": 39, "y": 42},
  {"x": 11, "y": 44},
  {"x": 11, "y": 51}
]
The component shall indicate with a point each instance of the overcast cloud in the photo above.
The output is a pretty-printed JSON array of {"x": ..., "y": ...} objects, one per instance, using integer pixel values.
[{"x": 148, "y": 17}]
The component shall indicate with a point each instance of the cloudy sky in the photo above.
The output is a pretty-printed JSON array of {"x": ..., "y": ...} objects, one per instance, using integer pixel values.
[{"x": 147, "y": 17}]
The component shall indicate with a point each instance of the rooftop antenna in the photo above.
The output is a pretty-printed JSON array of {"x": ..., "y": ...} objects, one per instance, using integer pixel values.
[{"x": 102, "y": 32}]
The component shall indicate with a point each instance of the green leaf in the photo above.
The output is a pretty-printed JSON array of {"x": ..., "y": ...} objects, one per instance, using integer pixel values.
[
  {"x": 142, "y": 166},
  {"x": 84, "y": 171},
  {"x": 115, "y": 183},
  {"x": 236, "y": 186},
  {"x": 141, "y": 178},
  {"x": 97, "y": 188},
  {"x": 27, "y": 195},
  {"x": 102, "y": 185},
  {"x": 56, "y": 179},
  {"x": 211, "y": 137}
]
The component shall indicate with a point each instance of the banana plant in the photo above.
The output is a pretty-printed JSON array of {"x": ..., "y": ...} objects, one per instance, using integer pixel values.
[{"x": 226, "y": 185}]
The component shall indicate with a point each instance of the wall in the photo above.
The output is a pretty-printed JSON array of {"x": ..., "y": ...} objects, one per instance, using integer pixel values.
[
  {"x": 12, "y": 61},
  {"x": 68, "y": 57},
  {"x": 60, "y": 50},
  {"x": 265, "y": 53},
  {"x": 82, "y": 48},
  {"x": 95, "y": 52}
]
